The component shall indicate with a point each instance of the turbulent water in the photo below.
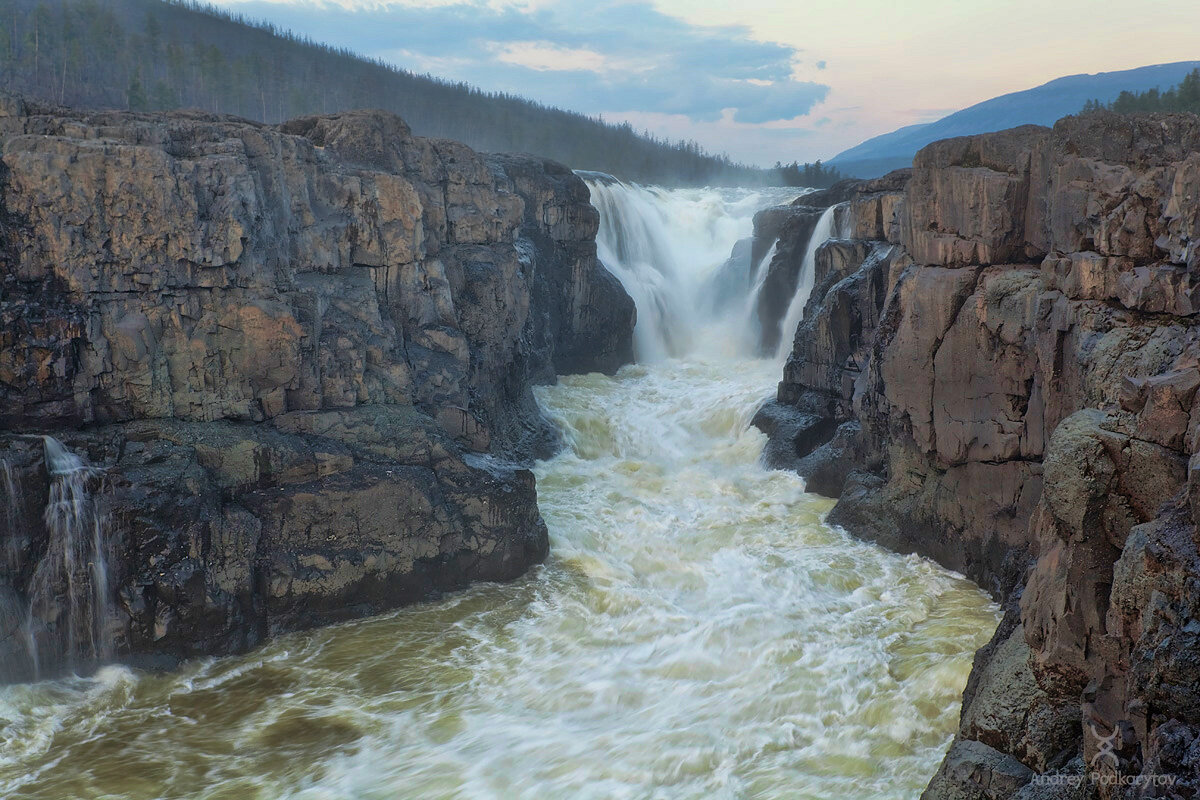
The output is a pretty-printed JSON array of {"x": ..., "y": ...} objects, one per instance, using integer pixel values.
[{"x": 697, "y": 632}]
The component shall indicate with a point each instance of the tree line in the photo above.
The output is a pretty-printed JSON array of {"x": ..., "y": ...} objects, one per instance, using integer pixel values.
[
  {"x": 159, "y": 55},
  {"x": 1185, "y": 97},
  {"x": 815, "y": 174}
]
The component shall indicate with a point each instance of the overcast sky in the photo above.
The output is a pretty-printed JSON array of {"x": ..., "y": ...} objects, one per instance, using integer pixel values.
[{"x": 763, "y": 80}]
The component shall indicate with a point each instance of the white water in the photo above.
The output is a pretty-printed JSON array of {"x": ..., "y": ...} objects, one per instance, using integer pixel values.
[
  {"x": 804, "y": 283},
  {"x": 68, "y": 603},
  {"x": 697, "y": 632},
  {"x": 665, "y": 246},
  {"x": 750, "y": 317}
]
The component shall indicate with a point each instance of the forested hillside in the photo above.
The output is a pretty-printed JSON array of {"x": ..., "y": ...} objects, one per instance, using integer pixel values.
[
  {"x": 156, "y": 55},
  {"x": 1183, "y": 97}
]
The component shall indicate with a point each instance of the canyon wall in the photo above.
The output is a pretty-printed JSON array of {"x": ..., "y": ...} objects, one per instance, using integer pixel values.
[
  {"x": 298, "y": 360},
  {"x": 1000, "y": 370}
]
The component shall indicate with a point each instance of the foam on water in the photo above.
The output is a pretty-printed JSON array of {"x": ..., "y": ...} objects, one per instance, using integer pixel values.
[{"x": 697, "y": 632}]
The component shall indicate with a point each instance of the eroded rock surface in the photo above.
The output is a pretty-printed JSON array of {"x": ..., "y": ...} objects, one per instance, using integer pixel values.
[
  {"x": 1009, "y": 351},
  {"x": 301, "y": 356}
]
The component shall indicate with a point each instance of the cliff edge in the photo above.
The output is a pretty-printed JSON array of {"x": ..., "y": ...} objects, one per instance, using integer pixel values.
[
  {"x": 291, "y": 366},
  {"x": 999, "y": 369}
]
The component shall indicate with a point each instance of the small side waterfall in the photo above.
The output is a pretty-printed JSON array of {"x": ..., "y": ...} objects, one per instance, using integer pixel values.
[
  {"x": 11, "y": 494},
  {"x": 758, "y": 278},
  {"x": 66, "y": 609},
  {"x": 15, "y": 614},
  {"x": 69, "y": 591},
  {"x": 822, "y": 233}
]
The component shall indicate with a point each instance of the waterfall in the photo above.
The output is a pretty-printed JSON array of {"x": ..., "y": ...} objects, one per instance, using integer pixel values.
[
  {"x": 697, "y": 630},
  {"x": 12, "y": 502},
  {"x": 758, "y": 278},
  {"x": 69, "y": 604},
  {"x": 666, "y": 247},
  {"x": 822, "y": 233}
]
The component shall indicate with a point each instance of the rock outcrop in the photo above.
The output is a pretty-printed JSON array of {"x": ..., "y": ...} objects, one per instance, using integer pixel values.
[
  {"x": 1004, "y": 361},
  {"x": 299, "y": 359}
]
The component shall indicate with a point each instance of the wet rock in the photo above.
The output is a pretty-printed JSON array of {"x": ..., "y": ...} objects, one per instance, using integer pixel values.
[
  {"x": 301, "y": 356},
  {"x": 827, "y": 468},
  {"x": 974, "y": 771},
  {"x": 793, "y": 434},
  {"x": 840, "y": 192},
  {"x": 783, "y": 272},
  {"x": 1024, "y": 391},
  {"x": 1011, "y": 713}
]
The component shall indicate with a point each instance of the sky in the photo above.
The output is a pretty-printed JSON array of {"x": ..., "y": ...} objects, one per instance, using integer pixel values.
[{"x": 761, "y": 80}]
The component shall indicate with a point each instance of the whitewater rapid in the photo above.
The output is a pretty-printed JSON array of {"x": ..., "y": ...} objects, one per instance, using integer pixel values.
[{"x": 698, "y": 631}]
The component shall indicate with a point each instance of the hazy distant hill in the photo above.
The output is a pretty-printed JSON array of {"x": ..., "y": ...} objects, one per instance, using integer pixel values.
[
  {"x": 1043, "y": 105},
  {"x": 156, "y": 55}
]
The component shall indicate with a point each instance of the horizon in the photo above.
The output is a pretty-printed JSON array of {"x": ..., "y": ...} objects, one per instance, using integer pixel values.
[{"x": 762, "y": 91}]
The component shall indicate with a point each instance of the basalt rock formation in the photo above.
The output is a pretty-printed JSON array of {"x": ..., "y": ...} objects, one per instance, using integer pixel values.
[
  {"x": 298, "y": 359},
  {"x": 1003, "y": 363}
]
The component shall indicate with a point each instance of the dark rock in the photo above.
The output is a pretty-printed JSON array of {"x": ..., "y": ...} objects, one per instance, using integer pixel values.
[
  {"x": 298, "y": 356},
  {"x": 826, "y": 469},
  {"x": 1024, "y": 380},
  {"x": 783, "y": 273},
  {"x": 840, "y": 192},
  {"x": 974, "y": 771},
  {"x": 792, "y": 434}
]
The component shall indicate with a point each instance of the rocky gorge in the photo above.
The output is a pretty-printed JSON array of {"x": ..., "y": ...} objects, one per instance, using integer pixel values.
[
  {"x": 998, "y": 368},
  {"x": 256, "y": 379},
  {"x": 295, "y": 363}
]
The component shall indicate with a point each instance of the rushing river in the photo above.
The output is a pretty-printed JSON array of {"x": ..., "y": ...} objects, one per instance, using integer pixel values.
[{"x": 697, "y": 632}]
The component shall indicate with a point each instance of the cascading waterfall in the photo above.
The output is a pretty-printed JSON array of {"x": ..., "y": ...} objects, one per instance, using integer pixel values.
[
  {"x": 822, "y": 232},
  {"x": 697, "y": 632},
  {"x": 665, "y": 246},
  {"x": 758, "y": 279},
  {"x": 11, "y": 494},
  {"x": 69, "y": 592}
]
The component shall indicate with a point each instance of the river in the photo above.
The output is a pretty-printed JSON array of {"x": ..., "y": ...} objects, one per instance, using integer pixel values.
[{"x": 697, "y": 632}]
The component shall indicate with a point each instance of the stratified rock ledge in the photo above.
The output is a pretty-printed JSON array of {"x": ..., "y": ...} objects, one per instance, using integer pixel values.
[
  {"x": 1006, "y": 356},
  {"x": 299, "y": 357}
]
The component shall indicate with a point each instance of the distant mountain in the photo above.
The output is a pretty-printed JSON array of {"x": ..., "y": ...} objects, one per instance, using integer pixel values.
[{"x": 1042, "y": 105}]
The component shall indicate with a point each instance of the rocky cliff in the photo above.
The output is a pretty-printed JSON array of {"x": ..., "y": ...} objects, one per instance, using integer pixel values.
[
  {"x": 1000, "y": 370},
  {"x": 297, "y": 362},
  {"x": 783, "y": 232}
]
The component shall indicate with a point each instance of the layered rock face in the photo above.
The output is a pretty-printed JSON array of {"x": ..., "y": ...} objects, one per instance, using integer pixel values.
[
  {"x": 299, "y": 358},
  {"x": 1002, "y": 366}
]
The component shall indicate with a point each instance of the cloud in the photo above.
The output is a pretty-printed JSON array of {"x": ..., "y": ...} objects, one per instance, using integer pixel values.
[
  {"x": 549, "y": 57},
  {"x": 594, "y": 56}
]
